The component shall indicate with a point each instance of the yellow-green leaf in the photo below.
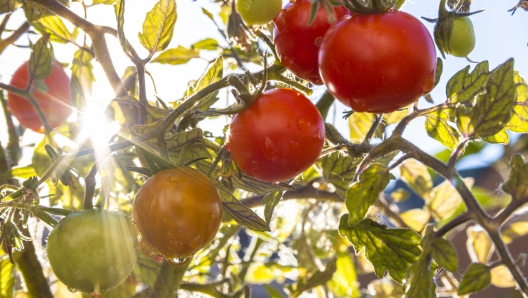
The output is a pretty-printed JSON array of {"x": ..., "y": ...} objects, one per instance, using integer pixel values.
[
  {"x": 476, "y": 278},
  {"x": 416, "y": 219},
  {"x": 444, "y": 254},
  {"x": 339, "y": 169},
  {"x": 438, "y": 128},
  {"x": 517, "y": 184},
  {"x": 179, "y": 55},
  {"x": 499, "y": 138},
  {"x": 158, "y": 26},
  {"x": 417, "y": 177},
  {"x": 40, "y": 60},
  {"x": 82, "y": 78},
  {"x": 119, "y": 9},
  {"x": 8, "y": 5},
  {"x": 519, "y": 120},
  {"x": 55, "y": 27},
  {"x": 464, "y": 86}
]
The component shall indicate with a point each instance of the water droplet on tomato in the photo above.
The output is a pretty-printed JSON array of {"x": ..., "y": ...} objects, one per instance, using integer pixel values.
[
  {"x": 176, "y": 178},
  {"x": 196, "y": 243},
  {"x": 317, "y": 135},
  {"x": 254, "y": 165},
  {"x": 318, "y": 41},
  {"x": 293, "y": 145},
  {"x": 269, "y": 150},
  {"x": 178, "y": 261},
  {"x": 147, "y": 249},
  {"x": 169, "y": 235},
  {"x": 165, "y": 222},
  {"x": 175, "y": 246},
  {"x": 302, "y": 123}
]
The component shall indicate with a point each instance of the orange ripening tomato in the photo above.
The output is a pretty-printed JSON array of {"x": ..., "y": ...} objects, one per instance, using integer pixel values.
[
  {"x": 55, "y": 102},
  {"x": 177, "y": 212}
]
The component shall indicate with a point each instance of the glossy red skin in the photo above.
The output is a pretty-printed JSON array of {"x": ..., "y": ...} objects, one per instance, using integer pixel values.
[
  {"x": 177, "y": 212},
  {"x": 56, "y": 103},
  {"x": 297, "y": 44},
  {"x": 378, "y": 63},
  {"x": 278, "y": 137}
]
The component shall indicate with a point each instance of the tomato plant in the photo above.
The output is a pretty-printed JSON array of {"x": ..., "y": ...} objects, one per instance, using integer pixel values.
[
  {"x": 278, "y": 137},
  {"x": 177, "y": 212},
  {"x": 378, "y": 63},
  {"x": 92, "y": 250},
  {"x": 54, "y": 98},
  {"x": 258, "y": 12},
  {"x": 297, "y": 42}
]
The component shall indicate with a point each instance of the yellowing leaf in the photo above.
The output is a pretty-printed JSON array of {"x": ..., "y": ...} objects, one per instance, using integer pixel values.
[
  {"x": 417, "y": 177},
  {"x": 416, "y": 219},
  {"x": 502, "y": 278}
]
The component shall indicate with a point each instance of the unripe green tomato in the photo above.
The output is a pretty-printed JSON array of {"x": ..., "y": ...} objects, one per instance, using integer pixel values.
[
  {"x": 92, "y": 250},
  {"x": 461, "y": 40},
  {"x": 258, "y": 12}
]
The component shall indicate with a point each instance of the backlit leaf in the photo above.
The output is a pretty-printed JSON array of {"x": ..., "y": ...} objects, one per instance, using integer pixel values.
[
  {"x": 517, "y": 184},
  {"x": 476, "y": 278},
  {"x": 40, "y": 60},
  {"x": 54, "y": 26},
  {"x": 438, "y": 128},
  {"x": 464, "y": 86},
  {"x": 339, "y": 169},
  {"x": 392, "y": 250},
  {"x": 158, "y": 26},
  {"x": 240, "y": 213},
  {"x": 519, "y": 120},
  {"x": 179, "y": 55},
  {"x": 417, "y": 177}
]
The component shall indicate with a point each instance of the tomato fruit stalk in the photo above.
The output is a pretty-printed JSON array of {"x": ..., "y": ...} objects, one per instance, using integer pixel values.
[
  {"x": 378, "y": 63},
  {"x": 297, "y": 42},
  {"x": 92, "y": 250},
  {"x": 55, "y": 100},
  {"x": 177, "y": 212},
  {"x": 278, "y": 137}
]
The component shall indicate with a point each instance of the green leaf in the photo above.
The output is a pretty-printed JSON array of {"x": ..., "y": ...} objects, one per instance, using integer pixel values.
[
  {"x": 253, "y": 185},
  {"x": 501, "y": 137},
  {"x": 387, "y": 249},
  {"x": 360, "y": 124},
  {"x": 437, "y": 127},
  {"x": 7, "y": 277},
  {"x": 146, "y": 270},
  {"x": 517, "y": 184},
  {"x": 179, "y": 55},
  {"x": 8, "y": 5},
  {"x": 463, "y": 120},
  {"x": 344, "y": 281},
  {"x": 82, "y": 78},
  {"x": 476, "y": 278},
  {"x": 40, "y": 60},
  {"x": 444, "y": 253},
  {"x": 493, "y": 109},
  {"x": 417, "y": 177},
  {"x": 271, "y": 200},
  {"x": 339, "y": 169},
  {"x": 19, "y": 172},
  {"x": 318, "y": 278},
  {"x": 54, "y": 26},
  {"x": 400, "y": 195},
  {"x": 364, "y": 193},
  {"x": 213, "y": 74},
  {"x": 445, "y": 199},
  {"x": 158, "y": 26},
  {"x": 519, "y": 120},
  {"x": 419, "y": 281},
  {"x": 119, "y": 9},
  {"x": 464, "y": 86},
  {"x": 208, "y": 44},
  {"x": 240, "y": 213},
  {"x": 439, "y": 70}
]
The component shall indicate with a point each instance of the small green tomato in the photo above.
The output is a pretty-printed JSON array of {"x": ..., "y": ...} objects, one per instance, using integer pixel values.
[
  {"x": 258, "y": 12},
  {"x": 92, "y": 250},
  {"x": 455, "y": 36}
]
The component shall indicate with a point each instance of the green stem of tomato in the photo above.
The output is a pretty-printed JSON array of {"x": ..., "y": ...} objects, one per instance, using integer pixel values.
[
  {"x": 442, "y": 10},
  {"x": 90, "y": 188},
  {"x": 324, "y": 104},
  {"x": 168, "y": 280}
]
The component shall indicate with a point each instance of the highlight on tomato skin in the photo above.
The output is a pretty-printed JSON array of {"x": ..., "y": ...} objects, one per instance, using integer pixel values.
[
  {"x": 378, "y": 63},
  {"x": 55, "y": 102},
  {"x": 177, "y": 212},
  {"x": 297, "y": 43},
  {"x": 278, "y": 137}
]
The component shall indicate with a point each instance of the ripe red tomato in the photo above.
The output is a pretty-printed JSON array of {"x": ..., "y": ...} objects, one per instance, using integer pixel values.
[
  {"x": 177, "y": 212},
  {"x": 277, "y": 137},
  {"x": 378, "y": 63},
  {"x": 56, "y": 102},
  {"x": 297, "y": 44}
]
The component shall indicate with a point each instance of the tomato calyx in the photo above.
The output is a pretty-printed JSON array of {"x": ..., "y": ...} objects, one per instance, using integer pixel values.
[
  {"x": 369, "y": 6},
  {"x": 450, "y": 23}
]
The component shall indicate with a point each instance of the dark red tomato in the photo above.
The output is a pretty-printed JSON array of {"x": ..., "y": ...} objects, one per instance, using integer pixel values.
[
  {"x": 297, "y": 44},
  {"x": 378, "y": 63},
  {"x": 55, "y": 102},
  {"x": 278, "y": 137},
  {"x": 177, "y": 212}
]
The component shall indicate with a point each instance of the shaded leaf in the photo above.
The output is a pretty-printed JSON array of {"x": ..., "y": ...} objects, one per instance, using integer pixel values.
[
  {"x": 240, "y": 213},
  {"x": 339, "y": 169},
  {"x": 40, "y": 60},
  {"x": 439, "y": 70},
  {"x": 476, "y": 278},
  {"x": 82, "y": 78},
  {"x": 444, "y": 253},
  {"x": 158, "y": 26},
  {"x": 364, "y": 193},
  {"x": 8, "y": 5},
  {"x": 253, "y": 185},
  {"x": 271, "y": 200},
  {"x": 318, "y": 278},
  {"x": 419, "y": 281},
  {"x": 517, "y": 184},
  {"x": 390, "y": 250}
]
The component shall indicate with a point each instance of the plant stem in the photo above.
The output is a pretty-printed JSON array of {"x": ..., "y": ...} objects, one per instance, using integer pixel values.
[
  {"x": 168, "y": 280},
  {"x": 31, "y": 269},
  {"x": 324, "y": 104},
  {"x": 90, "y": 188}
]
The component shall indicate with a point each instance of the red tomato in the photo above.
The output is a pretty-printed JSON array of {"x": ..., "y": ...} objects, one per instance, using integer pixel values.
[
  {"x": 55, "y": 103},
  {"x": 278, "y": 137},
  {"x": 297, "y": 44},
  {"x": 378, "y": 63}
]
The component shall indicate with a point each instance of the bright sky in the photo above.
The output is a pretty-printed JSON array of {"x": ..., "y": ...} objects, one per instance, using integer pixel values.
[{"x": 499, "y": 37}]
